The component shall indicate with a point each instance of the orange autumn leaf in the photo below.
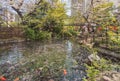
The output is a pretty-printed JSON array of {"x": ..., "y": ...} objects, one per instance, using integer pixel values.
[{"x": 16, "y": 79}]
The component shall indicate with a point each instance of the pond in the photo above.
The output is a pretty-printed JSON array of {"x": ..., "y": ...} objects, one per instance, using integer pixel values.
[{"x": 40, "y": 61}]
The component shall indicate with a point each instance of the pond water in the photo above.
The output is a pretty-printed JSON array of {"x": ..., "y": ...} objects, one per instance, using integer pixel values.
[
  {"x": 14, "y": 53},
  {"x": 23, "y": 53}
]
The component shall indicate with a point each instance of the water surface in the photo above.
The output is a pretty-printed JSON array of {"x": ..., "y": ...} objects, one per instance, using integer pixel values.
[{"x": 25, "y": 52}]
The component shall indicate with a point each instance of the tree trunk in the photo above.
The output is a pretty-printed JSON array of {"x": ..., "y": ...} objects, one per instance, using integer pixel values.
[
  {"x": 18, "y": 12},
  {"x": 109, "y": 53}
]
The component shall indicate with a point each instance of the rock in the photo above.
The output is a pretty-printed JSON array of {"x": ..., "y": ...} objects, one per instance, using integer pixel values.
[
  {"x": 116, "y": 77},
  {"x": 105, "y": 78},
  {"x": 90, "y": 45},
  {"x": 93, "y": 57},
  {"x": 8, "y": 62}
]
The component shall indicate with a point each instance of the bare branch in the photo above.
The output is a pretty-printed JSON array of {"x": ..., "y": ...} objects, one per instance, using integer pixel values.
[
  {"x": 18, "y": 12},
  {"x": 35, "y": 7}
]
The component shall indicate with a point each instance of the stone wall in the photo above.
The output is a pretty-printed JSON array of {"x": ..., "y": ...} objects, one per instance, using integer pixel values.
[{"x": 10, "y": 32}]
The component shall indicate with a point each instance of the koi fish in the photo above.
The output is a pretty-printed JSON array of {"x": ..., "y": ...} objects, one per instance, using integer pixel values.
[
  {"x": 65, "y": 72},
  {"x": 2, "y": 78}
]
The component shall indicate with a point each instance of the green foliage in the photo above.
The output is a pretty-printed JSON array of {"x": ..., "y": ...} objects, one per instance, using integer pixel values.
[
  {"x": 102, "y": 7},
  {"x": 102, "y": 65},
  {"x": 30, "y": 33},
  {"x": 47, "y": 19},
  {"x": 68, "y": 31},
  {"x": 103, "y": 14},
  {"x": 114, "y": 39},
  {"x": 42, "y": 35},
  {"x": 92, "y": 72},
  {"x": 54, "y": 20},
  {"x": 33, "y": 35},
  {"x": 66, "y": 34},
  {"x": 34, "y": 22},
  {"x": 51, "y": 24},
  {"x": 73, "y": 32},
  {"x": 97, "y": 67}
]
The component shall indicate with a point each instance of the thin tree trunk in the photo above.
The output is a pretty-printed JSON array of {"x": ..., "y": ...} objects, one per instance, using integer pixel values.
[{"x": 109, "y": 53}]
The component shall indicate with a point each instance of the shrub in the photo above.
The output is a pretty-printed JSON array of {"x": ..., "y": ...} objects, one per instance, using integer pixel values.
[
  {"x": 42, "y": 35},
  {"x": 37, "y": 35},
  {"x": 46, "y": 21},
  {"x": 96, "y": 68},
  {"x": 74, "y": 33},
  {"x": 30, "y": 33}
]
